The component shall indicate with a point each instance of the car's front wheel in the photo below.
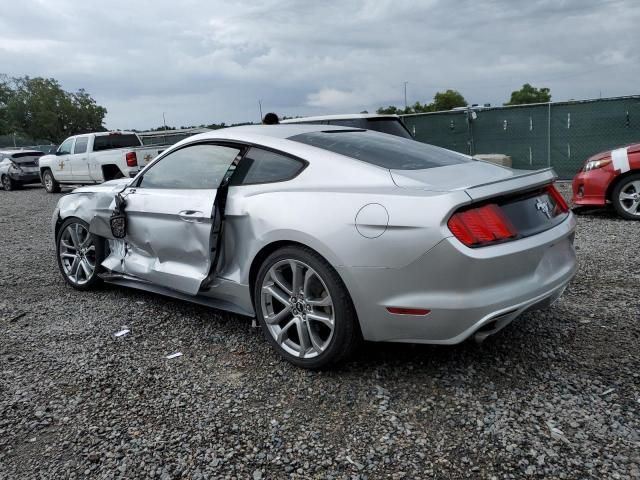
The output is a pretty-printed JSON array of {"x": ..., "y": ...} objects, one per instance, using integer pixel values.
[
  {"x": 626, "y": 197},
  {"x": 304, "y": 308},
  {"x": 50, "y": 184},
  {"x": 79, "y": 253}
]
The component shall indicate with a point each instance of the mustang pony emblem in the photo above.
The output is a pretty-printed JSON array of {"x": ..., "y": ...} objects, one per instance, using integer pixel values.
[{"x": 544, "y": 207}]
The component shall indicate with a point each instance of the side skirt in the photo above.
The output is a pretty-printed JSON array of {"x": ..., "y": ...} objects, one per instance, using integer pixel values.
[{"x": 132, "y": 282}]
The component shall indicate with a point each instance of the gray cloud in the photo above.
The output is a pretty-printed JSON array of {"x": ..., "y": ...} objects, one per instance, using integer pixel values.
[{"x": 202, "y": 62}]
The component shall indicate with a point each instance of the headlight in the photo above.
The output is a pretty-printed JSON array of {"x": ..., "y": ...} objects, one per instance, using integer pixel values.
[{"x": 593, "y": 164}]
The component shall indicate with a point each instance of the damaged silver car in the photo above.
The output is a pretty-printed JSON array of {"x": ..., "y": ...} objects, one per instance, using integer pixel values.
[
  {"x": 328, "y": 236},
  {"x": 19, "y": 167}
]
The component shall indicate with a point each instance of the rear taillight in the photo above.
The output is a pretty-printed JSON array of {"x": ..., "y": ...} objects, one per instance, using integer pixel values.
[
  {"x": 132, "y": 160},
  {"x": 481, "y": 226},
  {"x": 561, "y": 205}
]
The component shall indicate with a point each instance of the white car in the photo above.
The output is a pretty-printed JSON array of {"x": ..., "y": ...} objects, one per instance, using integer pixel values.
[
  {"x": 95, "y": 158},
  {"x": 327, "y": 235},
  {"x": 18, "y": 167}
]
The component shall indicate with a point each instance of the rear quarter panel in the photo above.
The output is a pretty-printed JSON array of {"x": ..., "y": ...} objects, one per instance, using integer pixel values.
[{"x": 307, "y": 211}]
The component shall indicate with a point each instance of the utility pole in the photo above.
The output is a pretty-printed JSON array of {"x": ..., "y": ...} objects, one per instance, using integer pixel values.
[
  {"x": 260, "y": 106},
  {"x": 164, "y": 121},
  {"x": 405, "y": 96}
]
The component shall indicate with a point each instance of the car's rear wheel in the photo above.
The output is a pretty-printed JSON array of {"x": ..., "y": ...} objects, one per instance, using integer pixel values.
[
  {"x": 50, "y": 184},
  {"x": 304, "y": 308},
  {"x": 79, "y": 254},
  {"x": 7, "y": 183},
  {"x": 626, "y": 197}
]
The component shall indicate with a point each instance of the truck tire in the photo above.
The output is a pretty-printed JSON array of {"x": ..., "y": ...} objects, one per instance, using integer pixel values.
[{"x": 50, "y": 184}]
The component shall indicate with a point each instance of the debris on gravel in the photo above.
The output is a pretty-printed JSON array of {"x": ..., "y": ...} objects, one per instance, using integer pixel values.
[{"x": 554, "y": 395}]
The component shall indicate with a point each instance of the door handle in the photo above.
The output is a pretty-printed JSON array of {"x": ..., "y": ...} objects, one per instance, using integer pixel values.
[{"x": 191, "y": 216}]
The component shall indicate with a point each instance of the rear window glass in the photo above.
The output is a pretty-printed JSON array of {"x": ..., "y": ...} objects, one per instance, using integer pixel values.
[
  {"x": 394, "y": 153},
  {"x": 27, "y": 154},
  {"x": 108, "y": 142}
]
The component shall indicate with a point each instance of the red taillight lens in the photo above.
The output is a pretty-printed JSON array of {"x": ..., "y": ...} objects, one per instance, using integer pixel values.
[
  {"x": 132, "y": 160},
  {"x": 482, "y": 225},
  {"x": 561, "y": 204}
]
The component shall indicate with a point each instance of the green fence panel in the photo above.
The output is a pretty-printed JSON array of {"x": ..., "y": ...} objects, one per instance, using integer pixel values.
[{"x": 561, "y": 134}]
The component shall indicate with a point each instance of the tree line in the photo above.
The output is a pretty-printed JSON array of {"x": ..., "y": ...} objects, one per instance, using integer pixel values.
[
  {"x": 40, "y": 109},
  {"x": 451, "y": 99}
]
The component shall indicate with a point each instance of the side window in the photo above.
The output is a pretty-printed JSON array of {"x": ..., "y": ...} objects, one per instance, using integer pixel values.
[
  {"x": 263, "y": 166},
  {"x": 81, "y": 145},
  {"x": 65, "y": 148},
  {"x": 194, "y": 167}
]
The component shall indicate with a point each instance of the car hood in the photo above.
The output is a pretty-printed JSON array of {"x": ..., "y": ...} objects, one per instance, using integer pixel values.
[
  {"x": 478, "y": 179},
  {"x": 631, "y": 148},
  {"x": 110, "y": 186}
]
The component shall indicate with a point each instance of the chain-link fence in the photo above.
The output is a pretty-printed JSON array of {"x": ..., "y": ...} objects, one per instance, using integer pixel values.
[{"x": 559, "y": 134}]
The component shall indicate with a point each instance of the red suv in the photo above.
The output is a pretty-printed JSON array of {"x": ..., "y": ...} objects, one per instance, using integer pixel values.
[{"x": 612, "y": 176}]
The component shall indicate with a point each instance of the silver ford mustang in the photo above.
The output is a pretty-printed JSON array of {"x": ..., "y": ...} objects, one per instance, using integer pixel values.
[{"x": 328, "y": 236}]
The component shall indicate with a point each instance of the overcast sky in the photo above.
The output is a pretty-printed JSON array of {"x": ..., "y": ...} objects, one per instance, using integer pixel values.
[{"x": 211, "y": 61}]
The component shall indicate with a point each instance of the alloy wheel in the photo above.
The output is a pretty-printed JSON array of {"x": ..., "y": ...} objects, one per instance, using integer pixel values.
[
  {"x": 77, "y": 253},
  {"x": 629, "y": 198},
  {"x": 297, "y": 308},
  {"x": 6, "y": 183}
]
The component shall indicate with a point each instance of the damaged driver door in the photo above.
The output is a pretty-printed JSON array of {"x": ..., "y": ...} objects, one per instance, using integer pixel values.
[{"x": 171, "y": 215}]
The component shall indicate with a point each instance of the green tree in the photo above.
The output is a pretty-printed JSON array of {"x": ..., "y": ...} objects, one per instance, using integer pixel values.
[
  {"x": 39, "y": 108},
  {"x": 529, "y": 94},
  {"x": 390, "y": 110},
  {"x": 441, "y": 101},
  {"x": 447, "y": 100}
]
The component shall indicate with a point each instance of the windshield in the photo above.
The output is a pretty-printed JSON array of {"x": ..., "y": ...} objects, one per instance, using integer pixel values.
[
  {"x": 385, "y": 151},
  {"x": 111, "y": 141}
]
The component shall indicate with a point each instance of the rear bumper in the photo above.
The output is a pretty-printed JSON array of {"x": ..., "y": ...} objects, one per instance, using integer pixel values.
[
  {"x": 27, "y": 177},
  {"x": 590, "y": 188},
  {"x": 465, "y": 289}
]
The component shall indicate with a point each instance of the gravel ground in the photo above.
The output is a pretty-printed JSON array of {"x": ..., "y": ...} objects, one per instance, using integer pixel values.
[{"x": 555, "y": 395}]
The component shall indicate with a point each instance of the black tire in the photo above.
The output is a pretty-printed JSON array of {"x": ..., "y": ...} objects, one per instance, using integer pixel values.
[
  {"x": 87, "y": 282},
  {"x": 626, "y": 185},
  {"x": 49, "y": 182},
  {"x": 346, "y": 335},
  {"x": 8, "y": 183}
]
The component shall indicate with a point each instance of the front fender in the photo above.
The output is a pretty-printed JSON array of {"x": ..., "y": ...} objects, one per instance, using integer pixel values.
[{"x": 93, "y": 207}]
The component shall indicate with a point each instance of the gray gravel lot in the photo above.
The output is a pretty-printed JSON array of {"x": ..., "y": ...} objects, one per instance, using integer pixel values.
[{"x": 75, "y": 402}]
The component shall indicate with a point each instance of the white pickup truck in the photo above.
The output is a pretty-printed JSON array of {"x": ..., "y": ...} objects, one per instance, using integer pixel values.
[{"x": 95, "y": 158}]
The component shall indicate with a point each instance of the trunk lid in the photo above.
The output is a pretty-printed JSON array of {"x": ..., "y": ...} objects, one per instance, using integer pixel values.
[
  {"x": 480, "y": 180},
  {"x": 26, "y": 159}
]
